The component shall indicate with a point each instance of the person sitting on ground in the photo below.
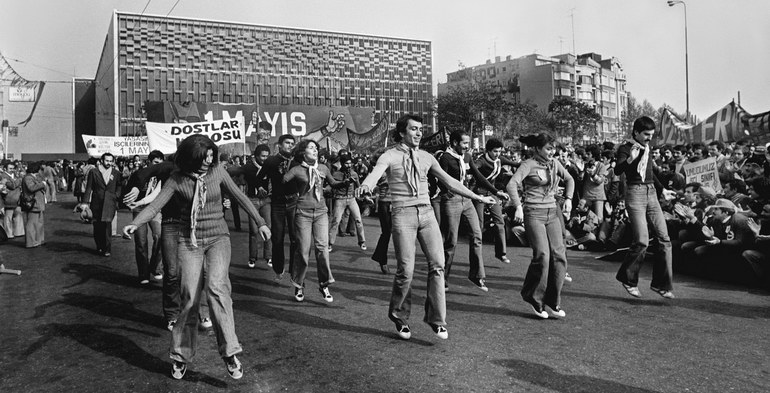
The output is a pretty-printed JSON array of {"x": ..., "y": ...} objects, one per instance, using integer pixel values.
[{"x": 582, "y": 225}]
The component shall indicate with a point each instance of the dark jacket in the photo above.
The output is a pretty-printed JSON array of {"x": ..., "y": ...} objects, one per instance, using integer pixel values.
[{"x": 102, "y": 196}]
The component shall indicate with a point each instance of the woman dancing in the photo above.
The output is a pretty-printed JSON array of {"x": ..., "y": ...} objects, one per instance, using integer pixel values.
[
  {"x": 204, "y": 246},
  {"x": 539, "y": 176}
]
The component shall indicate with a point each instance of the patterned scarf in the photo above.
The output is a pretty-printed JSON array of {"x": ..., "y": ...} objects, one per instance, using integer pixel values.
[
  {"x": 411, "y": 165},
  {"x": 314, "y": 179},
  {"x": 459, "y": 158},
  {"x": 199, "y": 202},
  {"x": 642, "y": 166},
  {"x": 496, "y": 167}
]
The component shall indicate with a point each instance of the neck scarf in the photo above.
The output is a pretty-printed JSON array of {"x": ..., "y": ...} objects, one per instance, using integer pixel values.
[
  {"x": 550, "y": 164},
  {"x": 459, "y": 158},
  {"x": 410, "y": 163},
  {"x": 496, "y": 167},
  {"x": 642, "y": 166},
  {"x": 199, "y": 202},
  {"x": 106, "y": 173},
  {"x": 314, "y": 179}
]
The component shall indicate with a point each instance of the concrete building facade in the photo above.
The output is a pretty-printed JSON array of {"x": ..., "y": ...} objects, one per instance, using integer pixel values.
[
  {"x": 181, "y": 59},
  {"x": 538, "y": 79}
]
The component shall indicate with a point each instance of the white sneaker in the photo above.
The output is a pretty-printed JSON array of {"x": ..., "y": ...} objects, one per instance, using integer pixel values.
[
  {"x": 158, "y": 277},
  {"x": 567, "y": 277},
  {"x": 270, "y": 262},
  {"x": 539, "y": 312},
  {"x": 363, "y": 246},
  {"x": 206, "y": 323},
  {"x": 299, "y": 294},
  {"x": 171, "y": 325},
  {"x": 440, "y": 331},
  {"x": 326, "y": 294},
  {"x": 234, "y": 367},
  {"x": 178, "y": 369},
  {"x": 555, "y": 312},
  {"x": 252, "y": 263}
]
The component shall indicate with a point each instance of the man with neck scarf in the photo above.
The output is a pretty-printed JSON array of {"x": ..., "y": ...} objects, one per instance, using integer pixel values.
[
  {"x": 102, "y": 190},
  {"x": 458, "y": 163},
  {"x": 634, "y": 159},
  {"x": 407, "y": 168},
  {"x": 490, "y": 166}
]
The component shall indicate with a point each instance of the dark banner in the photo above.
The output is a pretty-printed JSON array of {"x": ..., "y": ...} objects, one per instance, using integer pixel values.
[
  {"x": 370, "y": 141},
  {"x": 434, "y": 143},
  {"x": 329, "y": 126}
]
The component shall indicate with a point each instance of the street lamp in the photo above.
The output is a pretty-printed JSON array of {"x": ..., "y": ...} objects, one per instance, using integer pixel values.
[{"x": 672, "y": 3}]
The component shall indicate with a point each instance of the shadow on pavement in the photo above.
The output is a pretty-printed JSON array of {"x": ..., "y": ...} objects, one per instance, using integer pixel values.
[
  {"x": 108, "y": 307},
  {"x": 290, "y": 316},
  {"x": 550, "y": 378},
  {"x": 101, "y": 273},
  {"x": 102, "y": 340}
]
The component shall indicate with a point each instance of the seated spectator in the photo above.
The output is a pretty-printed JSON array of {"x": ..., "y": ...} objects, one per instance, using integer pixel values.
[
  {"x": 758, "y": 256},
  {"x": 582, "y": 225},
  {"x": 735, "y": 191},
  {"x": 727, "y": 235},
  {"x": 613, "y": 233}
]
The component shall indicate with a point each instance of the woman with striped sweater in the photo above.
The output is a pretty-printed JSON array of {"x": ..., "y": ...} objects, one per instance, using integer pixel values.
[{"x": 204, "y": 246}]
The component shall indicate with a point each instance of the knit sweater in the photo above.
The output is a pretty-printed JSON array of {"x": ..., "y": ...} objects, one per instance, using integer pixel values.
[
  {"x": 211, "y": 220},
  {"x": 298, "y": 178},
  {"x": 536, "y": 177}
]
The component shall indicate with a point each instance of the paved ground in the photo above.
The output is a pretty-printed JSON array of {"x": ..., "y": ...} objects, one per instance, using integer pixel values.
[{"x": 74, "y": 321}]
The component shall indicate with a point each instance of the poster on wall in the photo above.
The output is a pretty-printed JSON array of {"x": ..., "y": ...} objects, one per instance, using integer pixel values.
[{"x": 117, "y": 146}]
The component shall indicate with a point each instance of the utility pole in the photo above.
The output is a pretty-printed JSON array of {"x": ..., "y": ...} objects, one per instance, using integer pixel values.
[{"x": 572, "y": 17}]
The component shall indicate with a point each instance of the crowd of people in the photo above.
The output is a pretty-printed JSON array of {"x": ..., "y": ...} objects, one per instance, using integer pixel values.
[{"x": 628, "y": 198}]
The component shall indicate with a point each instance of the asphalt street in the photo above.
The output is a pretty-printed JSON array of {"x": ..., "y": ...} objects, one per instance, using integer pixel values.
[{"x": 74, "y": 321}]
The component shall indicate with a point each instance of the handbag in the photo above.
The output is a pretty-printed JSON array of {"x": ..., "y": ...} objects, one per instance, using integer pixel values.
[{"x": 27, "y": 202}]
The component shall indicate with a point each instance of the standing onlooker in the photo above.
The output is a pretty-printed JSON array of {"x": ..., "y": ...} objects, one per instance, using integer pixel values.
[
  {"x": 34, "y": 185},
  {"x": 102, "y": 191},
  {"x": 491, "y": 166},
  {"x": 13, "y": 220},
  {"x": 49, "y": 176},
  {"x": 344, "y": 198}
]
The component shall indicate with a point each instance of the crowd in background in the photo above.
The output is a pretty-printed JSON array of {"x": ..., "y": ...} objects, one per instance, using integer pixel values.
[{"x": 719, "y": 234}]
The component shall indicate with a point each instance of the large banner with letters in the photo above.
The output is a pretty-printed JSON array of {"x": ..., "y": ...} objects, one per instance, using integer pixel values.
[
  {"x": 167, "y": 136},
  {"x": 117, "y": 146},
  {"x": 729, "y": 124},
  {"x": 327, "y": 125}
]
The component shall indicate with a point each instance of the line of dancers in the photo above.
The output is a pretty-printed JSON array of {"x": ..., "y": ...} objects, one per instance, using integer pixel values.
[{"x": 197, "y": 251}]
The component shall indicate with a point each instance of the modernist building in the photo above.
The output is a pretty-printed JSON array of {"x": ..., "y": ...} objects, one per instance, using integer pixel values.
[
  {"x": 539, "y": 79},
  {"x": 182, "y": 59}
]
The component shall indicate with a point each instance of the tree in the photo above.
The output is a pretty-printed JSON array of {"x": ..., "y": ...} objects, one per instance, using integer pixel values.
[
  {"x": 571, "y": 118},
  {"x": 635, "y": 110}
]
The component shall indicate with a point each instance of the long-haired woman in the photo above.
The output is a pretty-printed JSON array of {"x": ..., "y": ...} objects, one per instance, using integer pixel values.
[
  {"x": 538, "y": 211},
  {"x": 311, "y": 219},
  {"x": 203, "y": 246}
]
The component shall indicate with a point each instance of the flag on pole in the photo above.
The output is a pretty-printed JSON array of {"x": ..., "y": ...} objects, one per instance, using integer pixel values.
[{"x": 8, "y": 74}]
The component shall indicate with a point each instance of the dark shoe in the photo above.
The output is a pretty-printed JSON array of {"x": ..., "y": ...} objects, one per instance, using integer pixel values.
[
  {"x": 479, "y": 282},
  {"x": 234, "y": 367},
  {"x": 440, "y": 331},
  {"x": 384, "y": 269},
  {"x": 662, "y": 292},
  {"x": 178, "y": 369},
  {"x": 403, "y": 331}
]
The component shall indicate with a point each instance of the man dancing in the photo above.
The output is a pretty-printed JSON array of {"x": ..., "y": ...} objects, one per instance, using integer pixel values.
[{"x": 412, "y": 216}]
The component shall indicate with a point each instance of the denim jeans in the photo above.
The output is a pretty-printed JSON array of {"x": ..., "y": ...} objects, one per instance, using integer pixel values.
[
  {"x": 496, "y": 212},
  {"x": 312, "y": 229},
  {"x": 169, "y": 239},
  {"x": 212, "y": 256},
  {"x": 452, "y": 210},
  {"x": 545, "y": 275},
  {"x": 339, "y": 207},
  {"x": 386, "y": 225},
  {"x": 282, "y": 220},
  {"x": 146, "y": 264},
  {"x": 409, "y": 223},
  {"x": 263, "y": 207},
  {"x": 643, "y": 209}
]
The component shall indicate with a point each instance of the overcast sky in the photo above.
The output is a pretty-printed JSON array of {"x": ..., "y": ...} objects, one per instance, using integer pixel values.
[{"x": 729, "y": 41}]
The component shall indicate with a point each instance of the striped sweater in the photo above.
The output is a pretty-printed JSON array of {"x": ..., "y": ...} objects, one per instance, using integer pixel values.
[{"x": 211, "y": 220}]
